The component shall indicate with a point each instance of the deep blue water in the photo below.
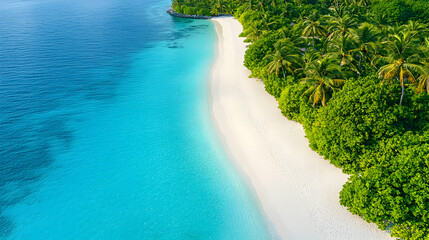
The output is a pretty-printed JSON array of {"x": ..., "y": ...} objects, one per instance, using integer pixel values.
[{"x": 105, "y": 129}]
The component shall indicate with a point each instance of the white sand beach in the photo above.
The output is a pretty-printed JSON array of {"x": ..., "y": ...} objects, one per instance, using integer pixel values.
[{"x": 297, "y": 189}]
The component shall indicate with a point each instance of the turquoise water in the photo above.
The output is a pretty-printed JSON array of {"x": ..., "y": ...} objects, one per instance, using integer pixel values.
[{"x": 106, "y": 130}]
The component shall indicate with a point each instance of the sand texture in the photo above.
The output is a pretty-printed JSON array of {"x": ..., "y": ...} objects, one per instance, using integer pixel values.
[{"x": 297, "y": 189}]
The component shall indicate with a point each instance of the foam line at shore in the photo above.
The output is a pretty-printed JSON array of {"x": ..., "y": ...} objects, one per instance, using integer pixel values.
[{"x": 297, "y": 189}]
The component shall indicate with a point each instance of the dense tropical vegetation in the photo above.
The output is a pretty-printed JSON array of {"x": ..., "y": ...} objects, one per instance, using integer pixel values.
[{"x": 355, "y": 73}]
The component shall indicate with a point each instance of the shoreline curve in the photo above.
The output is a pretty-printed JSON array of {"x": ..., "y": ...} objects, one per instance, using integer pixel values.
[{"x": 297, "y": 190}]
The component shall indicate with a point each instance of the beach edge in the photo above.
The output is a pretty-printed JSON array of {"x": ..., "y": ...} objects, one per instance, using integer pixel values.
[{"x": 285, "y": 187}]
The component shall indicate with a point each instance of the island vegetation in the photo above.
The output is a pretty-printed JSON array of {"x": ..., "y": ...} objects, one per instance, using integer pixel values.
[{"x": 355, "y": 74}]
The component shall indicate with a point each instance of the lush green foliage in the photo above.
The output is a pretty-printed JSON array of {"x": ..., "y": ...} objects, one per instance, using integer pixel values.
[
  {"x": 400, "y": 11},
  {"x": 208, "y": 8},
  {"x": 355, "y": 73},
  {"x": 359, "y": 117},
  {"x": 255, "y": 59},
  {"x": 395, "y": 191},
  {"x": 291, "y": 99}
]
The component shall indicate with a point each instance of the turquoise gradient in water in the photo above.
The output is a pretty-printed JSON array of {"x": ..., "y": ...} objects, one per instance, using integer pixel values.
[{"x": 106, "y": 130}]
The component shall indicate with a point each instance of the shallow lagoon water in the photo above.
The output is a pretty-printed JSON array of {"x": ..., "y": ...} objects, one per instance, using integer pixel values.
[{"x": 105, "y": 126}]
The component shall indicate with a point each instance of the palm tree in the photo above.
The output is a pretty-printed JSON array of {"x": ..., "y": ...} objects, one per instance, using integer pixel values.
[
  {"x": 338, "y": 11},
  {"x": 219, "y": 7},
  {"x": 308, "y": 59},
  {"x": 267, "y": 22},
  {"x": 298, "y": 2},
  {"x": 253, "y": 33},
  {"x": 261, "y": 6},
  {"x": 288, "y": 34},
  {"x": 341, "y": 26},
  {"x": 416, "y": 26},
  {"x": 313, "y": 27},
  {"x": 324, "y": 77},
  {"x": 284, "y": 32},
  {"x": 423, "y": 80},
  {"x": 249, "y": 5},
  {"x": 420, "y": 29},
  {"x": 362, "y": 2},
  {"x": 380, "y": 20},
  {"x": 340, "y": 48},
  {"x": 400, "y": 63},
  {"x": 273, "y": 4},
  {"x": 398, "y": 69},
  {"x": 284, "y": 58},
  {"x": 365, "y": 37}
]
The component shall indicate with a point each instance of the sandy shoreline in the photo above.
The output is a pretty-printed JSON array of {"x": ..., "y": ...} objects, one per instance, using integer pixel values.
[{"x": 296, "y": 188}]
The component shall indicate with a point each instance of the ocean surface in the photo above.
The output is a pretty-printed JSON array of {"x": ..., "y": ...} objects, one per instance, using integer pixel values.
[{"x": 105, "y": 129}]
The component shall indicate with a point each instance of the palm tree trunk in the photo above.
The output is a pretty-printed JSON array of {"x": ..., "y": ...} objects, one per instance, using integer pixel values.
[
  {"x": 313, "y": 43},
  {"x": 360, "y": 64},
  {"x": 284, "y": 75},
  {"x": 402, "y": 94},
  {"x": 360, "y": 61},
  {"x": 427, "y": 85}
]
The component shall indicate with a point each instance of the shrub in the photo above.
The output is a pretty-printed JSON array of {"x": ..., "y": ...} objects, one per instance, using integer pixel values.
[
  {"x": 204, "y": 11},
  {"x": 395, "y": 10},
  {"x": 290, "y": 100},
  {"x": 395, "y": 192},
  {"x": 257, "y": 51},
  {"x": 274, "y": 84},
  {"x": 358, "y": 117}
]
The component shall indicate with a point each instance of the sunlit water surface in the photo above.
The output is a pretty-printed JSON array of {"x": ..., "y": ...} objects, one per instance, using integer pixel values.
[{"x": 105, "y": 126}]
